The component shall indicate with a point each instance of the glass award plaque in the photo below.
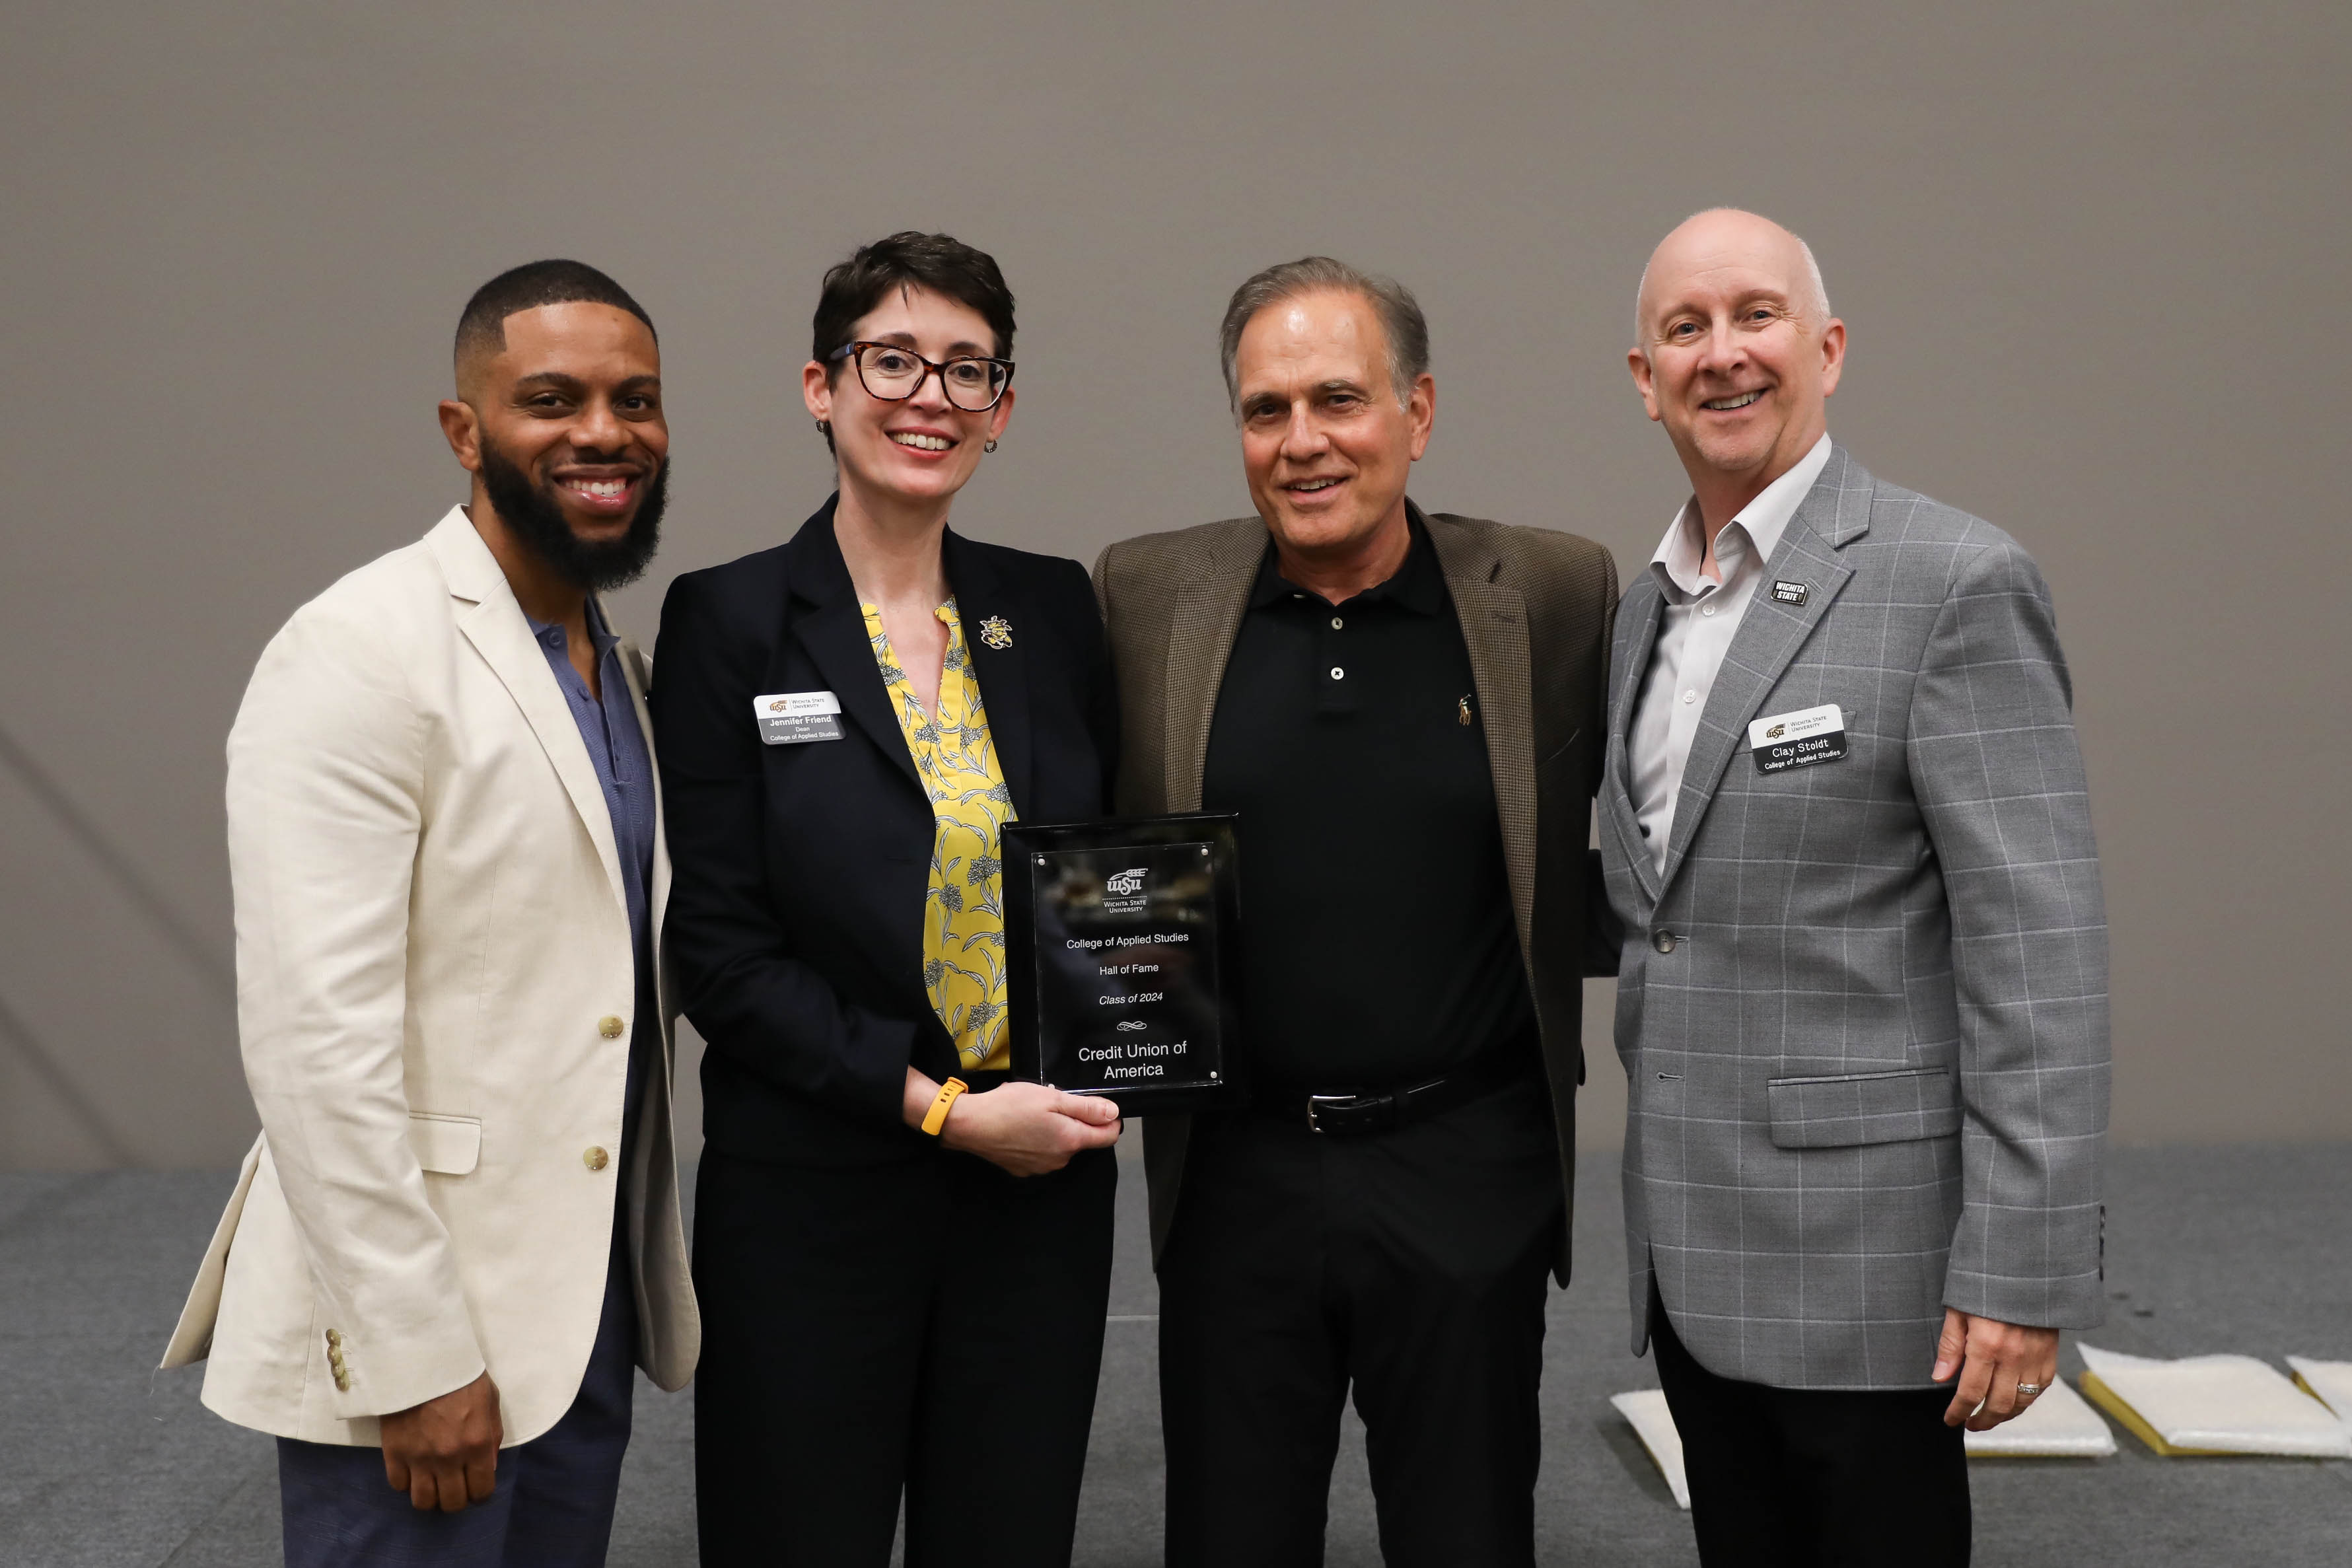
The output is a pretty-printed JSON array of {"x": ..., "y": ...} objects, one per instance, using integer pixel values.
[{"x": 1120, "y": 939}]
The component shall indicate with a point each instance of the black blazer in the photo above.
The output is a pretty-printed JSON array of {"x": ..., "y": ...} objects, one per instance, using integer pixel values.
[{"x": 799, "y": 872}]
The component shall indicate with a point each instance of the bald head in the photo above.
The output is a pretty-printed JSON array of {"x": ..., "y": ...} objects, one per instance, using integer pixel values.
[
  {"x": 1722, "y": 236},
  {"x": 1736, "y": 353}
]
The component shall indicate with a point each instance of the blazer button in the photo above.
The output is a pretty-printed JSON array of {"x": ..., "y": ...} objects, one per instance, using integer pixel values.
[
  {"x": 596, "y": 1159},
  {"x": 1663, "y": 940},
  {"x": 342, "y": 1381},
  {"x": 609, "y": 1026},
  {"x": 335, "y": 1339}
]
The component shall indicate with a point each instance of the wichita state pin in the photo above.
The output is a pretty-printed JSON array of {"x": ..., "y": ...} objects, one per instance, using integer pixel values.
[{"x": 997, "y": 633}]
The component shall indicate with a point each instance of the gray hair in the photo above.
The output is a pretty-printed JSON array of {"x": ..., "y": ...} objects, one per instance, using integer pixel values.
[
  {"x": 1402, "y": 322},
  {"x": 1812, "y": 299}
]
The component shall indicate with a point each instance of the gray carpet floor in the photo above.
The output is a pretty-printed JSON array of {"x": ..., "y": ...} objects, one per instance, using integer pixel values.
[{"x": 105, "y": 1463}]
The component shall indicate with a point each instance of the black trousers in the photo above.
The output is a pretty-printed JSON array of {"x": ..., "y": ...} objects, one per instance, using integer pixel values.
[
  {"x": 1802, "y": 1477},
  {"x": 1411, "y": 1264},
  {"x": 933, "y": 1327}
]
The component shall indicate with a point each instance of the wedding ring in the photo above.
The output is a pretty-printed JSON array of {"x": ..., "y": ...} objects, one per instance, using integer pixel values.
[{"x": 2029, "y": 1389}]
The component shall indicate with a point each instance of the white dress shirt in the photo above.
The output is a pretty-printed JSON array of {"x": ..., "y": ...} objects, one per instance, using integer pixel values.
[{"x": 1700, "y": 617}]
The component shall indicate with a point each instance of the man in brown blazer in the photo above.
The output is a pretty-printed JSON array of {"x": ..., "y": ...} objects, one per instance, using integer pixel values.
[{"x": 1405, "y": 710}]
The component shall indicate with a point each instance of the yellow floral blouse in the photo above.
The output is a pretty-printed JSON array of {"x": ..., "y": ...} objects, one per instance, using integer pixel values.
[{"x": 963, "y": 914}]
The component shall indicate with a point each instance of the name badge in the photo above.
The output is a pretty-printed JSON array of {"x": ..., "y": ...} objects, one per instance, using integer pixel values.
[
  {"x": 1798, "y": 739},
  {"x": 792, "y": 718}
]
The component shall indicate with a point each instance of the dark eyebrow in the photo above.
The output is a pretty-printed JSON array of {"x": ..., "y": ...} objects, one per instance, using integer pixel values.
[
  {"x": 960, "y": 349},
  {"x": 556, "y": 381}
]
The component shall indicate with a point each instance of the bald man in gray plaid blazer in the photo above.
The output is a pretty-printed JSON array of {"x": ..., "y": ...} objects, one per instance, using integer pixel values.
[{"x": 1862, "y": 991}]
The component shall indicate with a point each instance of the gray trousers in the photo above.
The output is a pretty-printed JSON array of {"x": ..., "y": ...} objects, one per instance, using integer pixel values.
[{"x": 554, "y": 1503}]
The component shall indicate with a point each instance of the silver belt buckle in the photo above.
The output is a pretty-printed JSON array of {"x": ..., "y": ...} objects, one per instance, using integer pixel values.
[{"x": 1314, "y": 1100}]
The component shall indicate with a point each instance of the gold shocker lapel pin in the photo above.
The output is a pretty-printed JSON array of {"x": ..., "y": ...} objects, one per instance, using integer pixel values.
[{"x": 997, "y": 633}]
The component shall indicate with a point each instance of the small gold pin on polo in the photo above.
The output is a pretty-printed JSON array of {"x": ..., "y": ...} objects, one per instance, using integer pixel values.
[
  {"x": 997, "y": 633},
  {"x": 1463, "y": 710}
]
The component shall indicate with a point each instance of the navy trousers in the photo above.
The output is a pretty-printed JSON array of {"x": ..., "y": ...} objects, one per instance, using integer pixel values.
[{"x": 554, "y": 1503}]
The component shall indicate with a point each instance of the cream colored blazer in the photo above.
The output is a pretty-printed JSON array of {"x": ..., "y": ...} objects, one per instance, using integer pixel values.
[{"x": 436, "y": 992}]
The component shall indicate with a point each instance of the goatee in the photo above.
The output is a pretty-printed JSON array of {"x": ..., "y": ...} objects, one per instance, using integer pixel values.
[{"x": 532, "y": 511}]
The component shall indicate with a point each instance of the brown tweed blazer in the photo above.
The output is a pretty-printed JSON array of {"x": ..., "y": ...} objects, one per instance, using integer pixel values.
[{"x": 1536, "y": 608}]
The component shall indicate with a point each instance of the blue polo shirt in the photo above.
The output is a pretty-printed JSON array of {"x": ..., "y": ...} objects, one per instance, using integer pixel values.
[{"x": 625, "y": 770}]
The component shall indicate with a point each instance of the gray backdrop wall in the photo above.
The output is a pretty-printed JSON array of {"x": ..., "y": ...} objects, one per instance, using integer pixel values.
[{"x": 2090, "y": 258}]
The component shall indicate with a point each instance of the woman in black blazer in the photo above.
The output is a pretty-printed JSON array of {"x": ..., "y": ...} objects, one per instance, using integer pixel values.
[{"x": 903, "y": 1260}]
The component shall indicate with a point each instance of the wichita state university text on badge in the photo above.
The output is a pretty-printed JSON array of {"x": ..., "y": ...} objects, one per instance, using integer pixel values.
[
  {"x": 1798, "y": 739},
  {"x": 789, "y": 718}
]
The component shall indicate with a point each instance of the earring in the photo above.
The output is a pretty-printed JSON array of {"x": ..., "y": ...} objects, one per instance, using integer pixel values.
[
  {"x": 824, "y": 428},
  {"x": 991, "y": 446}
]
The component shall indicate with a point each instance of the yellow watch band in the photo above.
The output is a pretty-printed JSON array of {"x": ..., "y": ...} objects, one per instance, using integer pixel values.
[{"x": 936, "y": 1116}]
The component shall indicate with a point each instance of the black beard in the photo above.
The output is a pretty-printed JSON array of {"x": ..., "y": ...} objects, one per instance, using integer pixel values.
[{"x": 532, "y": 511}]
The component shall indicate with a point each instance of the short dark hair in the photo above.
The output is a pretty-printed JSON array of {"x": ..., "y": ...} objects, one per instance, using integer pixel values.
[
  {"x": 909, "y": 260},
  {"x": 1402, "y": 322},
  {"x": 482, "y": 328}
]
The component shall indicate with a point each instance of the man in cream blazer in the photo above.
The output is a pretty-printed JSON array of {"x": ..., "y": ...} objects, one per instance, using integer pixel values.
[{"x": 459, "y": 1228}]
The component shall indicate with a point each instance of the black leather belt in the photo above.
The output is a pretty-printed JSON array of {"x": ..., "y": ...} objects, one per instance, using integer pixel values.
[{"x": 1351, "y": 1115}]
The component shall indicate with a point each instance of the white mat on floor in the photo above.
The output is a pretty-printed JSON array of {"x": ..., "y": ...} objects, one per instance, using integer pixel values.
[
  {"x": 1654, "y": 1425},
  {"x": 2330, "y": 1382},
  {"x": 2212, "y": 1404},
  {"x": 2058, "y": 1424}
]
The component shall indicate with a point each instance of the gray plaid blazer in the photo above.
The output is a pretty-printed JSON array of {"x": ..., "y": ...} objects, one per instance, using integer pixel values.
[
  {"x": 1535, "y": 608},
  {"x": 1863, "y": 1009}
]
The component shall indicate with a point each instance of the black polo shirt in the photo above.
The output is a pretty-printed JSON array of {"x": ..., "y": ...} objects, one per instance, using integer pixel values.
[{"x": 1378, "y": 947}]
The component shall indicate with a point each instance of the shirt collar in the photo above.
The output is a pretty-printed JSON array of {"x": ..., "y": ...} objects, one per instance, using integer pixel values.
[
  {"x": 1418, "y": 585},
  {"x": 1761, "y": 524},
  {"x": 551, "y": 634}
]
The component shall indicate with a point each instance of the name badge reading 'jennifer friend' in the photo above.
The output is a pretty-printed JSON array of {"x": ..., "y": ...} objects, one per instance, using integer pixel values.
[
  {"x": 1798, "y": 739},
  {"x": 792, "y": 717}
]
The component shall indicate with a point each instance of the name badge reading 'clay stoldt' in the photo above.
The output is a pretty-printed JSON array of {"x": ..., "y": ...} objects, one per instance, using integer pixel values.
[{"x": 1798, "y": 739}]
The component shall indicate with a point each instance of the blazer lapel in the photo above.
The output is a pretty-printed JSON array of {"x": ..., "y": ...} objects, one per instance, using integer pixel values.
[
  {"x": 1201, "y": 632},
  {"x": 1493, "y": 621},
  {"x": 1639, "y": 618},
  {"x": 1835, "y": 511},
  {"x": 494, "y": 623},
  {"x": 983, "y": 596},
  {"x": 832, "y": 630}
]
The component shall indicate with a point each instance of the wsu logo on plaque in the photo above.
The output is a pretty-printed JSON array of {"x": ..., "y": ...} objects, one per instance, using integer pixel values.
[{"x": 1123, "y": 892}]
